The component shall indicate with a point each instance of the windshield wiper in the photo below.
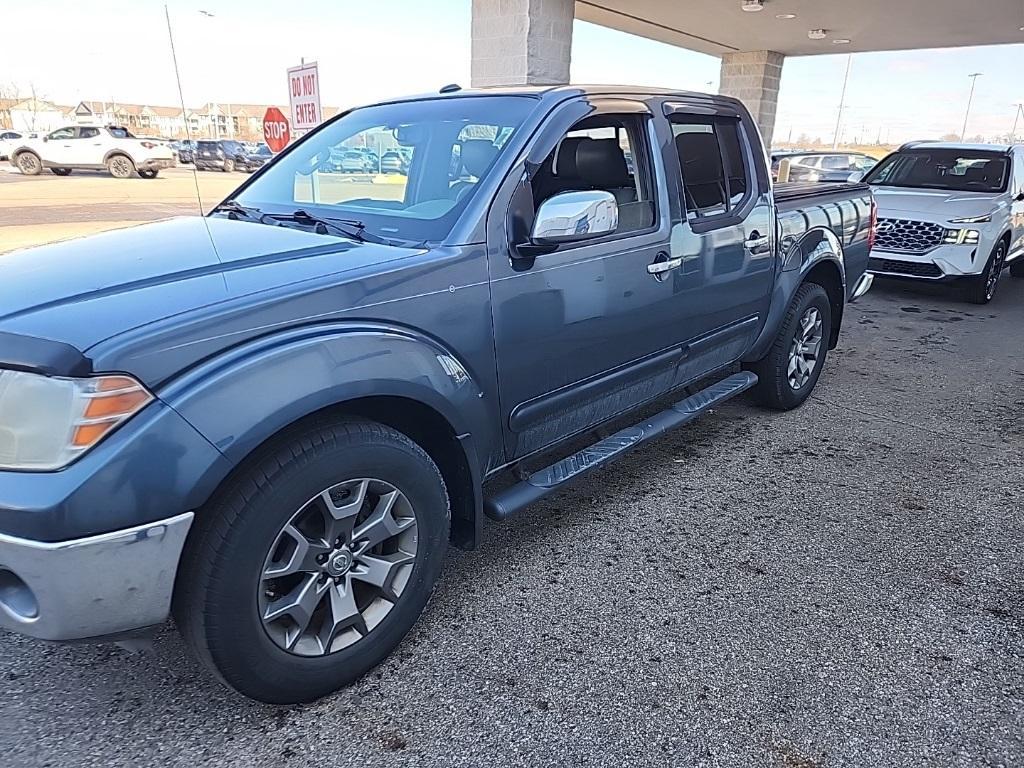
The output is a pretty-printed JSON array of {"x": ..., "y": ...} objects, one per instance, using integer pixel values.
[
  {"x": 239, "y": 210},
  {"x": 350, "y": 228}
]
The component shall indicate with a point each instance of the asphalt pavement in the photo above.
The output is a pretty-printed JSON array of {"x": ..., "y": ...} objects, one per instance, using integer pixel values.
[{"x": 841, "y": 585}]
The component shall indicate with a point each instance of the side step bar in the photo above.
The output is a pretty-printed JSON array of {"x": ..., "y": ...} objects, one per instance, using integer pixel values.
[{"x": 550, "y": 479}]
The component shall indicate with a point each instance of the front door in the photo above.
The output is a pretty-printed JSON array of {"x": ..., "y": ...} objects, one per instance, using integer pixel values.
[
  {"x": 59, "y": 147},
  {"x": 586, "y": 331}
]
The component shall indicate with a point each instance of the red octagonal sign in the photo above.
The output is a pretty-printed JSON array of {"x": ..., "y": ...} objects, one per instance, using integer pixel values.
[{"x": 275, "y": 129}]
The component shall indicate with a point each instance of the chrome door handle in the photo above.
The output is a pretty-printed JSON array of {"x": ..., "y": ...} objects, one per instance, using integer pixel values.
[
  {"x": 756, "y": 244},
  {"x": 660, "y": 267}
]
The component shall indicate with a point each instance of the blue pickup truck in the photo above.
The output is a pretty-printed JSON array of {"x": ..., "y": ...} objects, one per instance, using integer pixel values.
[{"x": 270, "y": 422}]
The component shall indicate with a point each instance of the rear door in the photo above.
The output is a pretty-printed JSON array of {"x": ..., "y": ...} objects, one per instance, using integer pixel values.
[
  {"x": 87, "y": 147},
  {"x": 727, "y": 236},
  {"x": 584, "y": 332}
]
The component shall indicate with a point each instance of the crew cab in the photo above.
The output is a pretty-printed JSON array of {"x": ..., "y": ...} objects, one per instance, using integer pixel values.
[
  {"x": 76, "y": 147},
  {"x": 950, "y": 213},
  {"x": 271, "y": 422}
]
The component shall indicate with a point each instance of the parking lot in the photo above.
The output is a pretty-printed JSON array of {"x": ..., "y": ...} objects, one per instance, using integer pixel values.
[{"x": 840, "y": 585}]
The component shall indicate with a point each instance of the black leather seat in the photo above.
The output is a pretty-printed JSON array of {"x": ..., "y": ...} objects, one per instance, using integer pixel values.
[
  {"x": 475, "y": 156},
  {"x": 601, "y": 165},
  {"x": 701, "y": 159}
]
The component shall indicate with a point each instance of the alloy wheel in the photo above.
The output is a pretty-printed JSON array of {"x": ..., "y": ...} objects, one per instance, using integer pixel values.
[
  {"x": 805, "y": 349},
  {"x": 338, "y": 567},
  {"x": 994, "y": 270}
]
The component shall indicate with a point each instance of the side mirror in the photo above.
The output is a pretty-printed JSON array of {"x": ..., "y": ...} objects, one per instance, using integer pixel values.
[
  {"x": 573, "y": 216},
  {"x": 1019, "y": 198},
  {"x": 46, "y": 138}
]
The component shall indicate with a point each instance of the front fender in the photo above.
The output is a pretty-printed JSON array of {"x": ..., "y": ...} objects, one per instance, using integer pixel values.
[
  {"x": 800, "y": 256},
  {"x": 248, "y": 394}
]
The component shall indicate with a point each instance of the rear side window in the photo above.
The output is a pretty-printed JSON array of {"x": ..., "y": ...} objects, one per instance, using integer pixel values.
[
  {"x": 716, "y": 177},
  {"x": 88, "y": 133}
]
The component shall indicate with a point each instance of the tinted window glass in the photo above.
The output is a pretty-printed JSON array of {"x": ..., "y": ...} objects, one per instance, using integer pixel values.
[
  {"x": 953, "y": 169},
  {"x": 88, "y": 133},
  {"x": 716, "y": 178},
  {"x": 120, "y": 133},
  {"x": 62, "y": 134}
]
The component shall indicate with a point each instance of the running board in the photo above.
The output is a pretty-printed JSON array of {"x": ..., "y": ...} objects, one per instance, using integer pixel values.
[{"x": 550, "y": 479}]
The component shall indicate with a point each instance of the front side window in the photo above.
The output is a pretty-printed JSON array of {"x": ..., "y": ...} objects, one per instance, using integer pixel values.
[
  {"x": 607, "y": 153},
  {"x": 448, "y": 146},
  {"x": 951, "y": 169},
  {"x": 716, "y": 177},
  {"x": 62, "y": 134}
]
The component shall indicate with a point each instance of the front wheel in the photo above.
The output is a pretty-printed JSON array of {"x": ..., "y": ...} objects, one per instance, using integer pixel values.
[
  {"x": 313, "y": 563},
  {"x": 60, "y": 171},
  {"x": 788, "y": 373},
  {"x": 981, "y": 289},
  {"x": 229, "y": 165}
]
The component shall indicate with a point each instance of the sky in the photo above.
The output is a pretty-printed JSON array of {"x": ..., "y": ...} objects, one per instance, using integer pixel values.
[{"x": 238, "y": 51}]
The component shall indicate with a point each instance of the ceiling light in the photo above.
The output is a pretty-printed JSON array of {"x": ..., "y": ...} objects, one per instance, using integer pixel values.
[
  {"x": 841, "y": 41},
  {"x": 817, "y": 34},
  {"x": 752, "y": 6},
  {"x": 785, "y": 16}
]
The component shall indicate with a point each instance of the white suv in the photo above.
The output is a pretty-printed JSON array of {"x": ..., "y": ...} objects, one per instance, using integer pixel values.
[
  {"x": 950, "y": 212},
  {"x": 91, "y": 147}
]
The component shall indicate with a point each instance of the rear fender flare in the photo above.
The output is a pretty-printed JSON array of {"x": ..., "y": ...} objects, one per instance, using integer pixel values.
[{"x": 799, "y": 257}]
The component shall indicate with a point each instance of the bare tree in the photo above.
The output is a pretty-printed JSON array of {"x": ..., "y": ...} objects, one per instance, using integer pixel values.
[{"x": 8, "y": 98}]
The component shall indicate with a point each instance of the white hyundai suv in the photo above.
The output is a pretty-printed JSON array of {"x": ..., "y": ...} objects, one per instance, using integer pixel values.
[
  {"x": 91, "y": 147},
  {"x": 950, "y": 212}
]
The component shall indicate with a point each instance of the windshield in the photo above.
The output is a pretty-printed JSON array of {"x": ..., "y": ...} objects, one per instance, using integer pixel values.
[
  {"x": 450, "y": 144},
  {"x": 957, "y": 170}
]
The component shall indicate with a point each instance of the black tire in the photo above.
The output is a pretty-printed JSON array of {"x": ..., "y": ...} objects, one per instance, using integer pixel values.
[
  {"x": 1017, "y": 268},
  {"x": 29, "y": 163},
  {"x": 150, "y": 174},
  {"x": 219, "y": 584},
  {"x": 981, "y": 289},
  {"x": 229, "y": 165},
  {"x": 60, "y": 171},
  {"x": 120, "y": 166},
  {"x": 774, "y": 389}
]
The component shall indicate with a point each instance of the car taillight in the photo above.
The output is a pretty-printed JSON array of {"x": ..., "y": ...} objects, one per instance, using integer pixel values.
[
  {"x": 148, "y": 144},
  {"x": 873, "y": 229}
]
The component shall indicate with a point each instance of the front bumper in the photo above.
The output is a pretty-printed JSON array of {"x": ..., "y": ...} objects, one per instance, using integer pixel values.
[
  {"x": 91, "y": 587},
  {"x": 941, "y": 263}
]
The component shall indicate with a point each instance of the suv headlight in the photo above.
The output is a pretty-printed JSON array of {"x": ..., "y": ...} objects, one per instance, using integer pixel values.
[
  {"x": 46, "y": 422},
  {"x": 961, "y": 237},
  {"x": 972, "y": 219}
]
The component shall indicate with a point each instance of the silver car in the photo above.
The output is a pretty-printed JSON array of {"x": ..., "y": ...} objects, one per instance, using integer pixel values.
[{"x": 950, "y": 212}]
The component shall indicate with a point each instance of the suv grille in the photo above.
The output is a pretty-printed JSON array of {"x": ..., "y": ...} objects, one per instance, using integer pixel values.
[
  {"x": 908, "y": 236},
  {"x": 912, "y": 268}
]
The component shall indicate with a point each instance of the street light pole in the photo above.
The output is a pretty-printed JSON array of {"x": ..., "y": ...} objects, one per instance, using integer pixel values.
[
  {"x": 1016, "y": 118},
  {"x": 842, "y": 102},
  {"x": 974, "y": 80}
]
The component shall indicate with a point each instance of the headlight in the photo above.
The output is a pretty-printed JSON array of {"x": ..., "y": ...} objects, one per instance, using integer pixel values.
[
  {"x": 972, "y": 219},
  {"x": 46, "y": 423},
  {"x": 961, "y": 237}
]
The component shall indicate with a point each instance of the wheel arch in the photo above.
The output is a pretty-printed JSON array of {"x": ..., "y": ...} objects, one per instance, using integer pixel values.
[
  {"x": 826, "y": 273},
  {"x": 114, "y": 153}
]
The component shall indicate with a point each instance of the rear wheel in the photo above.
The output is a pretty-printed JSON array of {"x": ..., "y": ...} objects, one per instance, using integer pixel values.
[
  {"x": 29, "y": 163},
  {"x": 789, "y": 372},
  {"x": 61, "y": 171},
  {"x": 981, "y": 289},
  {"x": 120, "y": 166},
  {"x": 229, "y": 165},
  {"x": 313, "y": 563}
]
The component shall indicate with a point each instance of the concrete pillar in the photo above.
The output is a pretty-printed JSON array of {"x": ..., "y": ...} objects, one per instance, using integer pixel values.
[
  {"x": 521, "y": 42},
  {"x": 753, "y": 77}
]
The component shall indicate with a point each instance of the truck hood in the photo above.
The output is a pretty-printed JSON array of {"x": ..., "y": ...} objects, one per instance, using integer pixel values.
[
  {"x": 83, "y": 291},
  {"x": 935, "y": 203}
]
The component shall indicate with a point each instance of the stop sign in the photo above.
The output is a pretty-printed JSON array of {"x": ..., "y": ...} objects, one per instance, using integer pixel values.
[{"x": 275, "y": 129}]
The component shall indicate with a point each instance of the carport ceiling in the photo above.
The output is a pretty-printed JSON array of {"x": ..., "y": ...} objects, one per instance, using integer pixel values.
[{"x": 719, "y": 26}]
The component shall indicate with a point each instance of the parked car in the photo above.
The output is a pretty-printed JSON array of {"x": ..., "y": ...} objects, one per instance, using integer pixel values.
[
  {"x": 951, "y": 213},
  {"x": 396, "y": 161},
  {"x": 824, "y": 166},
  {"x": 7, "y": 141},
  {"x": 273, "y": 420},
  {"x": 91, "y": 147},
  {"x": 357, "y": 161},
  {"x": 226, "y": 155},
  {"x": 184, "y": 150}
]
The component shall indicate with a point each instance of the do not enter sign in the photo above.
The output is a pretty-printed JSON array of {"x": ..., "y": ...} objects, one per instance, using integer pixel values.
[{"x": 275, "y": 129}]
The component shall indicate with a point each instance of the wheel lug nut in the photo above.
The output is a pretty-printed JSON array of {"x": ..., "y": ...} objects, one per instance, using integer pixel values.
[{"x": 321, "y": 559}]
